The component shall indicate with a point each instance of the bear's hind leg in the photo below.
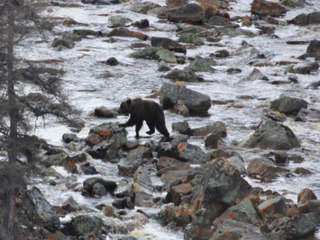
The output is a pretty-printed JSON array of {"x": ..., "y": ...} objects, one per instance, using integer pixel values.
[
  {"x": 151, "y": 127},
  {"x": 161, "y": 127}
]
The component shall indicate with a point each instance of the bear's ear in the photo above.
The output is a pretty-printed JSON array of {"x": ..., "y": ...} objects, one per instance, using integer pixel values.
[{"x": 128, "y": 101}]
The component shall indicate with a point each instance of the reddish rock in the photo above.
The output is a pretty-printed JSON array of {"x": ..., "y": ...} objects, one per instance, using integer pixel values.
[
  {"x": 306, "y": 195},
  {"x": 143, "y": 151},
  {"x": 264, "y": 8},
  {"x": 166, "y": 164},
  {"x": 122, "y": 32},
  {"x": 190, "y": 13},
  {"x": 93, "y": 139},
  {"x": 176, "y": 192}
]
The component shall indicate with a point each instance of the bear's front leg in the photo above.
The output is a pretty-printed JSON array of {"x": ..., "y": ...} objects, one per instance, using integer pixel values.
[
  {"x": 130, "y": 123},
  {"x": 138, "y": 127}
]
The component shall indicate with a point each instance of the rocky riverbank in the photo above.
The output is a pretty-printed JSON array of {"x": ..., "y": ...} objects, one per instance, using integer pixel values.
[{"x": 238, "y": 82}]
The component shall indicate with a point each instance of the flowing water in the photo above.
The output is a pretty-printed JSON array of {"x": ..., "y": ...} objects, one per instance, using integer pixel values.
[{"x": 137, "y": 78}]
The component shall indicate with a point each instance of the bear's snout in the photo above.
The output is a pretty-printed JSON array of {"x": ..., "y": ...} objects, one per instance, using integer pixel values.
[{"x": 119, "y": 111}]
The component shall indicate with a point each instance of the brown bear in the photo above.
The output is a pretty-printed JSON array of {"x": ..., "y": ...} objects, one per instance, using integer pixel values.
[{"x": 144, "y": 110}]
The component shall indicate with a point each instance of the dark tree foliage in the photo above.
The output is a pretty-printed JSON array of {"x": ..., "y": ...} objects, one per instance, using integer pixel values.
[{"x": 28, "y": 92}]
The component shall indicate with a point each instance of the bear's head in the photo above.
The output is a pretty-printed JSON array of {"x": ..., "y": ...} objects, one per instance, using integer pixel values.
[{"x": 126, "y": 106}]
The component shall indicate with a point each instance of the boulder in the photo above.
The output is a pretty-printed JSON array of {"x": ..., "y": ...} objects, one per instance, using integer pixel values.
[
  {"x": 176, "y": 192},
  {"x": 166, "y": 55},
  {"x": 105, "y": 112},
  {"x": 167, "y": 43},
  {"x": 306, "y": 195},
  {"x": 303, "y": 68},
  {"x": 123, "y": 32},
  {"x": 308, "y": 115},
  {"x": 243, "y": 212},
  {"x": 200, "y": 227},
  {"x": 127, "y": 166},
  {"x": 234, "y": 230},
  {"x": 272, "y": 135},
  {"x": 293, "y": 3},
  {"x": 62, "y": 42},
  {"x": 288, "y": 105},
  {"x": 181, "y": 127},
  {"x": 142, "y": 7},
  {"x": 273, "y": 209},
  {"x": 148, "y": 52},
  {"x": 221, "y": 187},
  {"x": 261, "y": 166},
  {"x": 202, "y": 65},
  {"x": 93, "y": 139},
  {"x": 190, "y": 38},
  {"x": 70, "y": 205},
  {"x": 313, "y": 49},
  {"x": 73, "y": 37},
  {"x": 305, "y": 19},
  {"x": 123, "y": 203},
  {"x": 264, "y": 8},
  {"x": 99, "y": 190},
  {"x": 256, "y": 74},
  {"x": 189, "y": 13},
  {"x": 90, "y": 182},
  {"x": 218, "y": 21},
  {"x": 143, "y": 23},
  {"x": 166, "y": 164},
  {"x": 297, "y": 227},
  {"x": 195, "y": 101},
  {"x": 159, "y": 12},
  {"x": 238, "y": 163},
  {"x": 176, "y": 216},
  {"x": 118, "y": 21},
  {"x": 181, "y": 109},
  {"x": 88, "y": 32},
  {"x": 218, "y": 128},
  {"x": 85, "y": 226},
  {"x": 124, "y": 189},
  {"x": 142, "y": 188},
  {"x": 163, "y": 66},
  {"x": 181, "y": 75}
]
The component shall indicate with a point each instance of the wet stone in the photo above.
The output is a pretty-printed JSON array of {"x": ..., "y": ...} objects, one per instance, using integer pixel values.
[
  {"x": 125, "y": 203},
  {"x": 144, "y": 23},
  {"x": 70, "y": 137},
  {"x": 256, "y": 74},
  {"x": 218, "y": 128},
  {"x": 99, "y": 190},
  {"x": 189, "y": 13},
  {"x": 118, "y": 21},
  {"x": 127, "y": 166},
  {"x": 288, "y": 105},
  {"x": 167, "y": 43},
  {"x": 62, "y": 42},
  {"x": 302, "y": 171},
  {"x": 142, "y": 7},
  {"x": 105, "y": 112},
  {"x": 306, "y": 195},
  {"x": 264, "y": 8},
  {"x": 124, "y": 189},
  {"x": 181, "y": 75},
  {"x": 89, "y": 183},
  {"x": 273, "y": 208},
  {"x": 70, "y": 205}
]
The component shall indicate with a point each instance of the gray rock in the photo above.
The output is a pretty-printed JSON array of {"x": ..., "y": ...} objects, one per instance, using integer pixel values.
[
  {"x": 90, "y": 182},
  {"x": 247, "y": 50},
  {"x": 273, "y": 208},
  {"x": 293, "y": 3},
  {"x": 303, "y": 68},
  {"x": 85, "y": 226},
  {"x": 142, "y": 7},
  {"x": 51, "y": 172},
  {"x": 189, "y": 13},
  {"x": 202, "y": 65},
  {"x": 168, "y": 43},
  {"x": 127, "y": 166},
  {"x": 105, "y": 112},
  {"x": 181, "y": 127},
  {"x": 238, "y": 163},
  {"x": 288, "y": 105},
  {"x": 166, "y": 55},
  {"x": 99, "y": 189},
  {"x": 163, "y": 66},
  {"x": 217, "y": 127},
  {"x": 74, "y": 36},
  {"x": 256, "y": 74},
  {"x": 195, "y": 102},
  {"x": 142, "y": 188},
  {"x": 62, "y": 42},
  {"x": 118, "y": 21},
  {"x": 218, "y": 21},
  {"x": 70, "y": 205},
  {"x": 159, "y": 12},
  {"x": 124, "y": 189},
  {"x": 181, "y": 75},
  {"x": 190, "y": 38},
  {"x": 148, "y": 52}
]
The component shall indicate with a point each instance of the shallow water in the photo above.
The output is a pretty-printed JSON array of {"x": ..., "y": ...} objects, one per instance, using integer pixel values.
[{"x": 137, "y": 78}]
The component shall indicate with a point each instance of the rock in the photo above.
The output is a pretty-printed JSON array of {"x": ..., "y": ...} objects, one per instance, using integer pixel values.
[
  {"x": 313, "y": 49},
  {"x": 305, "y": 19},
  {"x": 233, "y": 70},
  {"x": 181, "y": 127},
  {"x": 191, "y": 153},
  {"x": 99, "y": 190},
  {"x": 90, "y": 170},
  {"x": 302, "y": 171},
  {"x": 221, "y": 187},
  {"x": 142, "y": 188},
  {"x": 247, "y": 50},
  {"x": 62, "y": 42},
  {"x": 105, "y": 112},
  {"x": 51, "y": 172},
  {"x": 308, "y": 115},
  {"x": 181, "y": 75},
  {"x": 246, "y": 21},
  {"x": 235, "y": 32},
  {"x": 176, "y": 192},
  {"x": 175, "y": 3},
  {"x": 195, "y": 102},
  {"x": 218, "y": 128},
  {"x": 293, "y": 3},
  {"x": 190, "y": 38},
  {"x": 225, "y": 154},
  {"x": 122, "y": 32},
  {"x": 111, "y": 61},
  {"x": 177, "y": 139},
  {"x": 202, "y": 65},
  {"x": 200, "y": 227},
  {"x": 42, "y": 210},
  {"x": 73, "y": 37},
  {"x": 213, "y": 39},
  {"x": 118, "y": 21},
  {"x": 61, "y": 159},
  {"x": 221, "y": 54},
  {"x": 288, "y": 105},
  {"x": 144, "y": 23},
  {"x": 127, "y": 166},
  {"x": 273, "y": 209},
  {"x": 167, "y": 43},
  {"x": 148, "y": 52},
  {"x": 123, "y": 203},
  {"x": 297, "y": 227},
  {"x": 281, "y": 158},
  {"x": 87, "y": 32},
  {"x": 90, "y": 182},
  {"x": 189, "y": 13},
  {"x": 166, "y": 55},
  {"x": 171, "y": 178},
  {"x": 166, "y": 164},
  {"x": 256, "y": 74},
  {"x": 70, "y": 22},
  {"x": 124, "y": 189},
  {"x": 211, "y": 140},
  {"x": 145, "y": 152},
  {"x": 101, "y": 2},
  {"x": 264, "y": 8},
  {"x": 84, "y": 226},
  {"x": 176, "y": 216},
  {"x": 243, "y": 212},
  {"x": 303, "y": 68},
  {"x": 93, "y": 139},
  {"x": 238, "y": 163},
  {"x": 109, "y": 211},
  {"x": 70, "y": 205},
  {"x": 235, "y": 230},
  {"x": 272, "y": 135},
  {"x": 260, "y": 166},
  {"x": 159, "y": 12},
  {"x": 163, "y": 66},
  {"x": 310, "y": 206},
  {"x": 142, "y": 7},
  {"x": 132, "y": 144},
  {"x": 306, "y": 195},
  {"x": 218, "y": 21}
]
